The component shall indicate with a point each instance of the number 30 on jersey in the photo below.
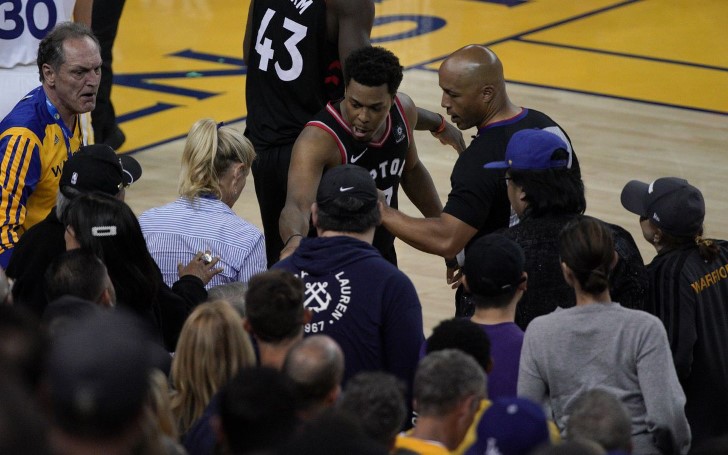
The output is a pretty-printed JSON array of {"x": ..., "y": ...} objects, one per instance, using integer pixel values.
[{"x": 263, "y": 47}]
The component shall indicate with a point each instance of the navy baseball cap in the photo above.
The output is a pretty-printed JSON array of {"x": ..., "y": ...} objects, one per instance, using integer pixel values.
[
  {"x": 347, "y": 181},
  {"x": 532, "y": 150},
  {"x": 493, "y": 265},
  {"x": 511, "y": 426},
  {"x": 98, "y": 168},
  {"x": 671, "y": 203}
]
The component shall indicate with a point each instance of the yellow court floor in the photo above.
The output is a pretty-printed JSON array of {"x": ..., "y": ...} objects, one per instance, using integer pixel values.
[
  {"x": 641, "y": 87},
  {"x": 179, "y": 60}
]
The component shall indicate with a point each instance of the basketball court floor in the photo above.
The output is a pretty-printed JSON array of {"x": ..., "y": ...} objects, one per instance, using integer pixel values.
[{"x": 641, "y": 87}]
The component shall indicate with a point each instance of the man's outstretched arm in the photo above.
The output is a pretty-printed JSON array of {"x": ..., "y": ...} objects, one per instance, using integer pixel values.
[{"x": 313, "y": 152}]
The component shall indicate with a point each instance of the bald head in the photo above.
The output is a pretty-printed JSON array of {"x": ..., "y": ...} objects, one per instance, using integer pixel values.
[
  {"x": 316, "y": 366},
  {"x": 473, "y": 85},
  {"x": 476, "y": 63}
]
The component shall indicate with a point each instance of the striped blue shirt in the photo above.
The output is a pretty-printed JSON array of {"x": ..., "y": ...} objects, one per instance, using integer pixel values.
[{"x": 177, "y": 231}]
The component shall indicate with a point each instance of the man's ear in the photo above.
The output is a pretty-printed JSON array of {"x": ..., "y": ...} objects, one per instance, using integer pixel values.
[
  {"x": 488, "y": 93},
  {"x": 658, "y": 236},
  {"x": 307, "y": 316},
  {"x": 49, "y": 75},
  {"x": 523, "y": 285},
  {"x": 521, "y": 193},
  {"x": 464, "y": 281},
  {"x": 105, "y": 299}
]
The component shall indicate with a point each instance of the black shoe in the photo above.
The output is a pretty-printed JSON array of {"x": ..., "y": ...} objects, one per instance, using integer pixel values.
[{"x": 116, "y": 139}]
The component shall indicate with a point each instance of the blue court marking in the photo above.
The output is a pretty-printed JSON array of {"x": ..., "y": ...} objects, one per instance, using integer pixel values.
[
  {"x": 157, "y": 108},
  {"x": 141, "y": 81},
  {"x": 508, "y": 3},
  {"x": 205, "y": 57},
  {"x": 423, "y": 25},
  {"x": 519, "y": 35}
]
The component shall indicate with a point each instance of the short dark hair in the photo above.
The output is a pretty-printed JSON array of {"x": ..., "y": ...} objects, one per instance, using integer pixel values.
[
  {"x": 77, "y": 272},
  {"x": 586, "y": 245},
  {"x": 493, "y": 301},
  {"x": 462, "y": 334},
  {"x": 257, "y": 410},
  {"x": 376, "y": 399},
  {"x": 357, "y": 223},
  {"x": 50, "y": 49},
  {"x": 274, "y": 305},
  {"x": 551, "y": 191},
  {"x": 373, "y": 66}
]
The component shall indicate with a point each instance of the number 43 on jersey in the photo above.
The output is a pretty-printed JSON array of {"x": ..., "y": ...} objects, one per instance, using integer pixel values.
[{"x": 264, "y": 48}]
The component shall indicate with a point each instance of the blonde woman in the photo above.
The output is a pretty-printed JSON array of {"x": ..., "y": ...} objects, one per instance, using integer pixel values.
[
  {"x": 212, "y": 348},
  {"x": 215, "y": 165}
]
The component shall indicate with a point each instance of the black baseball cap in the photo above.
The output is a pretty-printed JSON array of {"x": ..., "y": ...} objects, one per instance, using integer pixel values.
[
  {"x": 493, "y": 265},
  {"x": 346, "y": 181},
  {"x": 671, "y": 203},
  {"x": 98, "y": 168}
]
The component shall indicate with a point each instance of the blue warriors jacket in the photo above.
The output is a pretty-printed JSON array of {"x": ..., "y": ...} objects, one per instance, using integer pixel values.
[{"x": 34, "y": 144}]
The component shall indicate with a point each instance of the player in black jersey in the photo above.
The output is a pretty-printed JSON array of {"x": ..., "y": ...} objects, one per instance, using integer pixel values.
[
  {"x": 370, "y": 127},
  {"x": 294, "y": 51}
]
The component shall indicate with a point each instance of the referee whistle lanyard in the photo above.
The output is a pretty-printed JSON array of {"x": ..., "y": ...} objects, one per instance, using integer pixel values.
[{"x": 64, "y": 129}]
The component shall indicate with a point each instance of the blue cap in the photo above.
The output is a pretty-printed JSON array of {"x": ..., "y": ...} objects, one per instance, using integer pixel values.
[
  {"x": 532, "y": 150},
  {"x": 511, "y": 426}
]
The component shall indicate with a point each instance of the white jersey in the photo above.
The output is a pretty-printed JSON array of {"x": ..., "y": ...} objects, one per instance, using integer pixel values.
[{"x": 23, "y": 23}]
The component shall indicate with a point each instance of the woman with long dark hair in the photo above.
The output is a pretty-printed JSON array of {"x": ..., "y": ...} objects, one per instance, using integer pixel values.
[
  {"x": 546, "y": 193},
  {"x": 600, "y": 344},
  {"x": 108, "y": 227}
]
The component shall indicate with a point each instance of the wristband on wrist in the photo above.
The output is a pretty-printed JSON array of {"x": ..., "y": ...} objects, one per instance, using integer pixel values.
[
  {"x": 442, "y": 126},
  {"x": 289, "y": 239},
  {"x": 451, "y": 263}
]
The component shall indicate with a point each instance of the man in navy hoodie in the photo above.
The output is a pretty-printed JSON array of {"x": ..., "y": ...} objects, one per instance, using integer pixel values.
[{"x": 359, "y": 299}]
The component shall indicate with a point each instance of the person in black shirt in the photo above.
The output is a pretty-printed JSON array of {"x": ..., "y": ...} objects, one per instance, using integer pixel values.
[
  {"x": 689, "y": 293},
  {"x": 295, "y": 54},
  {"x": 474, "y": 94},
  {"x": 546, "y": 195}
]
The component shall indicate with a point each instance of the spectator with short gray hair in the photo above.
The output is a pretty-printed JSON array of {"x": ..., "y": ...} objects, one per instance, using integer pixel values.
[
  {"x": 599, "y": 416},
  {"x": 448, "y": 388},
  {"x": 376, "y": 400}
]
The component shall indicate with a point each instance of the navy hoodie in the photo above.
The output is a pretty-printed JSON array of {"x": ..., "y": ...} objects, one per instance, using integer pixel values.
[{"x": 362, "y": 301}]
